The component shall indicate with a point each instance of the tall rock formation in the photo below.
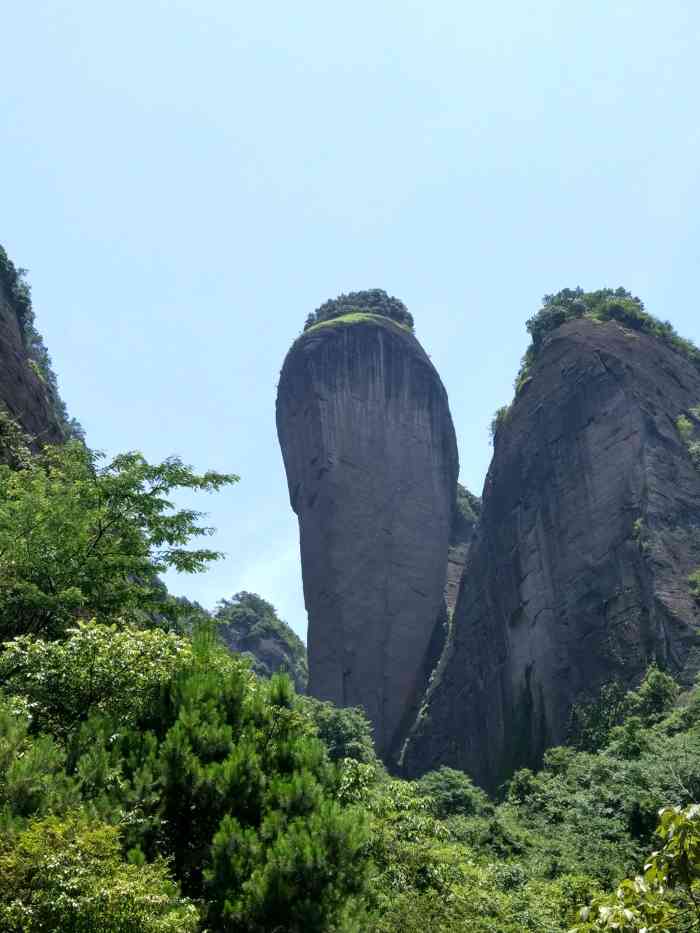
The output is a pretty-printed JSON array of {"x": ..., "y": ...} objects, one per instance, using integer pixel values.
[
  {"x": 26, "y": 393},
  {"x": 578, "y": 574},
  {"x": 371, "y": 460}
]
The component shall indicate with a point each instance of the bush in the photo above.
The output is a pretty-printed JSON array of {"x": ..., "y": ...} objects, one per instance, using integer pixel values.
[
  {"x": 498, "y": 420},
  {"x": 373, "y": 301},
  {"x": 452, "y": 793},
  {"x": 346, "y": 732},
  {"x": 96, "y": 669},
  {"x": 592, "y": 723},
  {"x": 69, "y": 876}
]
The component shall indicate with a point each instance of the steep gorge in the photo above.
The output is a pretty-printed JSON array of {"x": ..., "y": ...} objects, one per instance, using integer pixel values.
[{"x": 371, "y": 461}]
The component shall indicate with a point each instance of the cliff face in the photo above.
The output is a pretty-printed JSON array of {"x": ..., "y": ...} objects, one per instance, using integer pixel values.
[
  {"x": 578, "y": 574},
  {"x": 23, "y": 393},
  {"x": 371, "y": 461},
  {"x": 464, "y": 522}
]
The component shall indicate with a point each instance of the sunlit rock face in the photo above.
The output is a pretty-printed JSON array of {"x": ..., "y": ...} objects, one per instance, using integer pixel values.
[
  {"x": 578, "y": 573},
  {"x": 371, "y": 460}
]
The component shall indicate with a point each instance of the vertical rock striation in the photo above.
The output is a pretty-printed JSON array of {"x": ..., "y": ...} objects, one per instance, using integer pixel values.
[
  {"x": 578, "y": 573},
  {"x": 371, "y": 460}
]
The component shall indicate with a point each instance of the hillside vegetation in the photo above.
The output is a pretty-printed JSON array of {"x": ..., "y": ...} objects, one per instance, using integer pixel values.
[
  {"x": 154, "y": 781},
  {"x": 149, "y": 780},
  {"x": 250, "y": 625}
]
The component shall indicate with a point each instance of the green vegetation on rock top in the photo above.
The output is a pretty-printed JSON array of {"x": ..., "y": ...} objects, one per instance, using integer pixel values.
[
  {"x": 355, "y": 317},
  {"x": 373, "y": 301},
  {"x": 605, "y": 304}
]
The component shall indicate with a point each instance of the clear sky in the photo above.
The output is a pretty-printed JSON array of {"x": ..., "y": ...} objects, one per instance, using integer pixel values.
[{"x": 187, "y": 180}]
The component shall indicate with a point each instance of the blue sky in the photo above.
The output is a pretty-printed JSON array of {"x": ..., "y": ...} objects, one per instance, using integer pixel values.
[{"x": 187, "y": 180}]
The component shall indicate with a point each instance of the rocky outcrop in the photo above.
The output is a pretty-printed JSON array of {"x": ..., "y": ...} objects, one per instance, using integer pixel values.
[
  {"x": 23, "y": 391},
  {"x": 578, "y": 574},
  {"x": 371, "y": 460}
]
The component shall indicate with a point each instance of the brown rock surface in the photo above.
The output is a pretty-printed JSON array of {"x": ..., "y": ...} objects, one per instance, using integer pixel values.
[
  {"x": 371, "y": 461},
  {"x": 578, "y": 573}
]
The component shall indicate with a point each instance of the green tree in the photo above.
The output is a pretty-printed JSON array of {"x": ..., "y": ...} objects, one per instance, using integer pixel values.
[
  {"x": 248, "y": 805},
  {"x": 95, "y": 669},
  {"x": 196, "y": 761},
  {"x": 81, "y": 539},
  {"x": 371, "y": 301},
  {"x": 452, "y": 792},
  {"x": 33, "y": 780},
  {"x": 345, "y": 731},
  {"x": 666, "y": 896},
  {"x": 69, "y": 876}
]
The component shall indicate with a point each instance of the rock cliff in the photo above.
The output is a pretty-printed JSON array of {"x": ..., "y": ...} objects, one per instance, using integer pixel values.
[
  {"x": 25, "y": 392},
  {"x": 578, "y": 574},
  {"x": 464, "y": 521},
  {"x": 371, "y": 460}
]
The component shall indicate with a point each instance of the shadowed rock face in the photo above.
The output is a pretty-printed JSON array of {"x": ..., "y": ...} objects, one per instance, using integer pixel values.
[
  {"x": 22, "y": 393},
  {"x": 371, "y": 462},
  {"x": 578, "y": 573},
  {"x": 464, "y": 521}
]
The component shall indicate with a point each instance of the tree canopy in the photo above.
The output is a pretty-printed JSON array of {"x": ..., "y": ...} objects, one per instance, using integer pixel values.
[
  {"x": 372, "y": 301},
  {"x": 81, "y": 538}
]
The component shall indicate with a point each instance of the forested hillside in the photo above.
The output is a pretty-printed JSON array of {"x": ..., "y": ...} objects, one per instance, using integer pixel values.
[{"x": 159, "y": 775}]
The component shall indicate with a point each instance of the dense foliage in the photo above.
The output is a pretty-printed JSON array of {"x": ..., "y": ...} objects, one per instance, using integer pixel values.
[
  {"x": 346, "y": 733},
  {"x": 17, "y": 292},
  {"x": 250, "y": 625},
  {"x": 372, "y": 301},
  {"x": 200, "y": 768},
  {"x": 81, "y": 539},
  {"x": 151, "y": 782}
]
